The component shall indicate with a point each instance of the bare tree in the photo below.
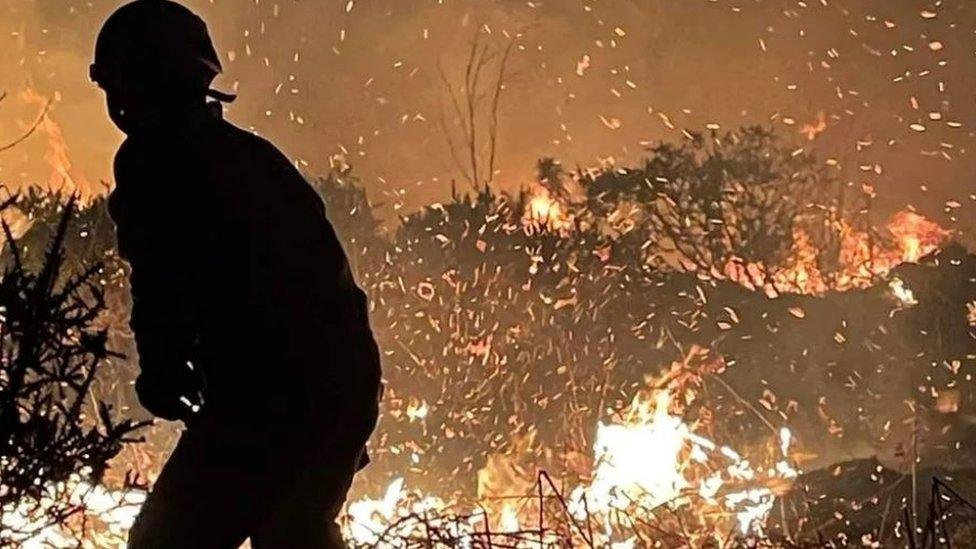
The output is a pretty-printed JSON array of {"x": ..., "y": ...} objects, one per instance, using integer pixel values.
[{"x": 474, "y": 104}]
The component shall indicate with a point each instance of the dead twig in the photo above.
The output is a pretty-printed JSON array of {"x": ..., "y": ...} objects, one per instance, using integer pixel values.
[{"x": 31, "y": 130}]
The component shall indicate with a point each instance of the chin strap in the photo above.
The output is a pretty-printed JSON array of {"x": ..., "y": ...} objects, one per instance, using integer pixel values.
[{"x": 221, "y": 96}]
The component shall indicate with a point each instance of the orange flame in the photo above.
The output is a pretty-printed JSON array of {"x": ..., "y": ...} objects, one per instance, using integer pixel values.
[
  {"x": 916, "y": 235},
  {"x": 63, "y": 176},
  {"x": 544, "y": 211},
  {"x": 863, "y": 258}
]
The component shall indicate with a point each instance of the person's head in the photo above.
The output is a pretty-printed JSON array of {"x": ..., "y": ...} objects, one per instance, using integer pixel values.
[{"x": 155, "y": 61}]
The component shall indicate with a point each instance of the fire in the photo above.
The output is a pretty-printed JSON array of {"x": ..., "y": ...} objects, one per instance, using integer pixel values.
[
  {"x": 509, "y": 521},
  {"x": 63, "y": 176},
  {"x": 384, "y": 522},
  {"x": 638, "y": 459},
  {"x": 648, "y": 461},
  {"x": 114, "y": 510},
  {"x": 863, "y": 258},
  {"x": 902, "y": 293},
  {"x": 546, "y": 211},
  {"x": 367, "y": 517},
  {"x": 916, "y": 235},
  {"x": 802, "y": 271},
  {"x": 654, "y": 460}
]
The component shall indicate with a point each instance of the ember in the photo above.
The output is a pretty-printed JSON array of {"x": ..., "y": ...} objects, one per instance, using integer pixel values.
[
  {"x": 647, "y": 466},
  {"x": 739, "y": 310}
]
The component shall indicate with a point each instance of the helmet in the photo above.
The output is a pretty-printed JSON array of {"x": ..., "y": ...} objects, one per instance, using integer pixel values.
[{"x": 159, "y": 41}]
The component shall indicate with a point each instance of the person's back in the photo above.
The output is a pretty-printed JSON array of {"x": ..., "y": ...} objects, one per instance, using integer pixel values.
[
  {"x": 271, "y": 284},
  {"x": 247, "y": 320}
]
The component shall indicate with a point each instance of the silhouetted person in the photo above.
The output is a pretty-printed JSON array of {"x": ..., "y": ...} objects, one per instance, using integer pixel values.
[{"x": 249, "y": 326}]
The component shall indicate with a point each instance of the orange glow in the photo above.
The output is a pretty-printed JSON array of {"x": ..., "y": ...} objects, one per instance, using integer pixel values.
[
  {"x": 546, "y": 211},
  {"x": 63, "y": 177},
  {"x": 648, "y": 463},
  {"x": 916, "y": 235},
  {"x": 863, "y": 258}
]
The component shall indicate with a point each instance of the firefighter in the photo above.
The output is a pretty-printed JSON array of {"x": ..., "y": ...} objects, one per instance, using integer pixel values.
[{"x": 248, "y": 324}]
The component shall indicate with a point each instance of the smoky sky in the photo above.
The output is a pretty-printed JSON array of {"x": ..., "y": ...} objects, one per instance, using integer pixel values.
[{"x": 590, "y": 82}]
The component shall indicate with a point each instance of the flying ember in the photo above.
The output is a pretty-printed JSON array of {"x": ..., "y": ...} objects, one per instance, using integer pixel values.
[{"x": 401, "y": 274}]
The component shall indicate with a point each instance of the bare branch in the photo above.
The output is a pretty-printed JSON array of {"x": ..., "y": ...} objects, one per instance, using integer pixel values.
[
  {"x": 493, "y": 121},
  {"x": 448, "y": 131},
  {"x": 33, "y": 128},
  {"x": 470, "y": 89},
  {"x": 452, "y": 148}
]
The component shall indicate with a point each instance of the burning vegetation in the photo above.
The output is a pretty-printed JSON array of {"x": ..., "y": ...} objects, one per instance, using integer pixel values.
[
  {"x": 631, "y": 357},
  {"x": 57, "y": 439}
]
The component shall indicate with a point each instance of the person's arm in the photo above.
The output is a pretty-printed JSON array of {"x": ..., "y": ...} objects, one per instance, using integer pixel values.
[{"x": 157, "y": 244}]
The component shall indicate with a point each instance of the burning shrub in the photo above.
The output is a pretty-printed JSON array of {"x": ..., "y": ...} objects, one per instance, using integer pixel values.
[
  {"x": 55, "y": 440},
  {"x": 351, "y": 214},
  {"x": 518, "y": 329},
  {"x": 713, "y": 199}
]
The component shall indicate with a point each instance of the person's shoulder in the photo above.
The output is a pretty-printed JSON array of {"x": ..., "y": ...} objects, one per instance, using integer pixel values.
[
  {"x": 247, "y": 146},
  {"x": 262, "y": 167}
]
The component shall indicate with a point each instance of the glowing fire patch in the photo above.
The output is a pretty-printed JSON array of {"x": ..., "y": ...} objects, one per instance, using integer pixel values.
[
  {"x": 863, "y": 259},
  {"x": 546, "y": 211},
  {"x": 115, "y": 510},
  {"x": 902, "y": 293},
  {"x": 647, "y": 463},
  {"x": 638, "y": 461},
  {"x": 916, "y": 235},
  {"x": 63, "y": 175}
]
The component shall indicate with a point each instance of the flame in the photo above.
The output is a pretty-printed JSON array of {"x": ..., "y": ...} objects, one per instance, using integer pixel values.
[
  {"x": 802, "y": 272},
  {"x": 509, "y": 521},
  {"x": 639, "y": 459},
  {"x": 863, "y": 258},
  {"x": 646, "y": 459},
  {"x": 902, "y": 293},
  {"x": 544, "y": 211},
  {"x": 655, "y": 459},
  {"x": 649, "y": 459},
  {"x": 114, "y": 510},
  {"x": 649, "y": 456},
  {"x": 368, "y": 516},
  {"x": 63, "y": 176},
  {"x": 916, "y": 235}
]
